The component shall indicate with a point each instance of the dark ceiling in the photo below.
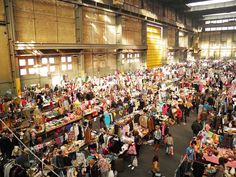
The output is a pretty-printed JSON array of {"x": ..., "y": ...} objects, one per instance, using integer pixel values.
[{"x": 179, "y": 3}]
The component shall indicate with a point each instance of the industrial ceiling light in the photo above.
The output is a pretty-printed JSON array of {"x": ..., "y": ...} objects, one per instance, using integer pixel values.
[
  {"x": 203, "y": 3},
  {"x": 220, "y": 14}
]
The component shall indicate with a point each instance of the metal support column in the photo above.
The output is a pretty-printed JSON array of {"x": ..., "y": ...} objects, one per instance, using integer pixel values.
[
  {"x": 190, "y": 40},
  {"x": 119, "y": 60},
  {"x": 144, "y": 42},
  {"x": 176, "y": 38},
  {"x": 11, "y": 38},
  {"x": 118, "y": 40},
  {"x": 164, "y": 44},
  {"x": 79, "y": 23},
  {"x": 82, "y": 69},
  {"x": 118, "y": 29}
]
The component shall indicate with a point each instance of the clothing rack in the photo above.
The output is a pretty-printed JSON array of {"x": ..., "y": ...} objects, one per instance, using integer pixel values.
[{"x": 40, "y": 160}]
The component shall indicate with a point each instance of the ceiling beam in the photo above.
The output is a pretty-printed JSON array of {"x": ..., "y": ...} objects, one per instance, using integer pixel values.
[{"x": 57, "y": 46}]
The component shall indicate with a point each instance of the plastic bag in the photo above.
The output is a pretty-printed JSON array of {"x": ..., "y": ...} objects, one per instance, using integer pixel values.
[
  {"x": 111, "y": 173},
  {"x": 135, "y": 162},
  {"x": 157, "y": 174}
]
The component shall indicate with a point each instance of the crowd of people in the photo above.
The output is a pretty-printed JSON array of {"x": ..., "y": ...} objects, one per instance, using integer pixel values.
[{"x": 92, "y": 127}]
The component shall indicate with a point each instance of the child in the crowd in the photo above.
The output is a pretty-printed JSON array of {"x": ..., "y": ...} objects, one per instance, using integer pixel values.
[
  {"x": 157, "y": 138},
  {"x": 169, "y": 145}
]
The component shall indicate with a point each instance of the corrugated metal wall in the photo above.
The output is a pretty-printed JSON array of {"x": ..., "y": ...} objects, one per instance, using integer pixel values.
[
  {"x": 98, "y": 27},
  {"x": 1, "y": 11},
  {"x": 218, "y": 44},
  {"x": 131, "y": 31},
  {"x": 171, "y": 37},
  {"x": 48, "y": 21}
]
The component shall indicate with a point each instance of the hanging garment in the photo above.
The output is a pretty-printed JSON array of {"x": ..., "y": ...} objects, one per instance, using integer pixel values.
[
  {"x": 103, "y": 165},
  {"x": 71, "y": 135},
  {"x": 101, "y": 139},
  {"x": 58, "y": 141},
  {"x": 116, "y": 129},
  {"x": 164, "y": 109},
  {"x": 7, "y": 169},
  {"x": 81, "y": 135},
  {"x": 143, "y": 121},
  {"x": 151, "y": 125},
  {"x": 93, "y": 171},
  {"x": 76, "y": 130},
  {"x": 80, "y": 158},
  {"x": 87, "y": 135},
  {"x": 107, "y": 119},
  {"x": 70, "y": 172},
  {"x": 125, "y": 129}
]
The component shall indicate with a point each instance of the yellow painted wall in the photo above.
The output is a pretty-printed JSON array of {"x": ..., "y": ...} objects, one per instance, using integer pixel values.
[
  {"x": 5, "y": 71},
  {"x": 154, "y": 52},
  {"x": 98, "y": 27},
  {"x": 47, "y": 21},
  {"x": 1, "y": 11},
  {"x": 131, "y": 31}
]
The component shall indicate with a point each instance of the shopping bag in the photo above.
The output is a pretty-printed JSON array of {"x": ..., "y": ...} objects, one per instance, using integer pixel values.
[
  {"x": 135, "y": 162},
  {"x": 171, "y": 150},
  {"x": 158, "y": 174},
  {"x": 111, "y": 173},
  {"x": 132, "y": 150}
]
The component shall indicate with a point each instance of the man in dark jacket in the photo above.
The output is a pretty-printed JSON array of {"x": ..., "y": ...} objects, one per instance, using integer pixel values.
[
  {"x": 198, "y": 166},
  {"x": 196, "y": 127},
  {"x": 92, "y": 169},
  {"x": 6, "y": 145}
]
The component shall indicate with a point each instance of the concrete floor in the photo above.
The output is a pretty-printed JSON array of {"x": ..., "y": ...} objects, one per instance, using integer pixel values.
[{"x": 182, "y": 135}]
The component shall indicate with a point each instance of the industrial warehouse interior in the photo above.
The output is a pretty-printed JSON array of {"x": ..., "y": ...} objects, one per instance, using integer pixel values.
[{"x": 117, "y": 88}]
